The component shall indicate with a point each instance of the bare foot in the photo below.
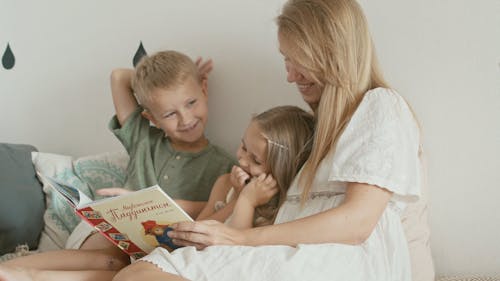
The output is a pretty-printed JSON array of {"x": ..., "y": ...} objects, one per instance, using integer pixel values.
[{"x": 15, "y": 274}]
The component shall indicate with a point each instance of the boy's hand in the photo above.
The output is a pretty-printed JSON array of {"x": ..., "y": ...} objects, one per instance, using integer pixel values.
[
  {"x": 204, "y": 67},
  {"x": 112, "y": 191},
  {"x": 238, "y": 178},
  {"x": 260, "y": 190}
]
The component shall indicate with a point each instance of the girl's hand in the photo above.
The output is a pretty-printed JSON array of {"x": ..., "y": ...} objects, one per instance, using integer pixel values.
[
  {"x": 238, "y": 178},
  {"x": 112, "y": 191},
  {"x": 202, "y": 234},
  {"x": 204, "y": 67},
  {"x": 260, "y": 190}
]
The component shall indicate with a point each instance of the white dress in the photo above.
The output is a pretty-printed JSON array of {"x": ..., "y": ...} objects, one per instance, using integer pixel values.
[{"x": 380, "y": 146}]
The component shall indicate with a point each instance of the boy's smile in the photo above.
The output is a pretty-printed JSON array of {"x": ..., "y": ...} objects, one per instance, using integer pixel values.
[{"x": 188, "y": 127}]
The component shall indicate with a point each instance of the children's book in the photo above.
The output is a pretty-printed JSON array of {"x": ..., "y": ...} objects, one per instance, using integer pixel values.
[{"x": 137, "y": 222}]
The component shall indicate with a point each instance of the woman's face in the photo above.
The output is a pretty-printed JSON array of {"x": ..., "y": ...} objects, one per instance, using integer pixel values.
[{"x": 310, "y": 90}]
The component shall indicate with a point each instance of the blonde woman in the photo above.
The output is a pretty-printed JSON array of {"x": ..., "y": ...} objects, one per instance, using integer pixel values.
[{"x": 341, "y": 218}]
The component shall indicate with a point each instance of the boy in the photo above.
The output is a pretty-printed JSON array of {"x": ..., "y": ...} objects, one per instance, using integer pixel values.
[
  {"x": 175, "y": 154},
  {"x": 171, "y": 94}
]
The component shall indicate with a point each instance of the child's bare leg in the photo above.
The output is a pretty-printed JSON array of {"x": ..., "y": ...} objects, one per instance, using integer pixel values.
[
  {"x": 97, "y": 254},
  {"x": 19, "y": 274},
  {"x": 142, "y": 270},
  {"x": 11, "y": 274},
  {"x": 117, "y": 258},
  {"x": 97, "y": 241},
  {"x": 68, "y": 260}
]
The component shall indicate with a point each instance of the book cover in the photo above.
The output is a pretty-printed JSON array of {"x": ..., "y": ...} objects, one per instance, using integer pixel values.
[{"x": 137, "y": 222}]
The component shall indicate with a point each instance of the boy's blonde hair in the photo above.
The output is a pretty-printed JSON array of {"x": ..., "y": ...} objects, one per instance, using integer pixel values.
[
  {"x": 288, "y": 131},
  {"x": 331, "y": 40},
  {"x": 163, "y": 70}
]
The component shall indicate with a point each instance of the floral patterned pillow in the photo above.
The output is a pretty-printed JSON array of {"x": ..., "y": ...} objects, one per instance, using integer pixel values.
[
  {"x": 102, "y": 170},
  {"x": 87, "y": 174}
]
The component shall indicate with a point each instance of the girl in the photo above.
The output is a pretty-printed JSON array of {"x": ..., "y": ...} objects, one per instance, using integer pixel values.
[{"x": 275, "y": 145}]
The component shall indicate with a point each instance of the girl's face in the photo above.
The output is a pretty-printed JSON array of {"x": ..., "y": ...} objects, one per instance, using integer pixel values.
[
  {"x": 253, "y": 151},
  {"x": 310, "y": 90}
]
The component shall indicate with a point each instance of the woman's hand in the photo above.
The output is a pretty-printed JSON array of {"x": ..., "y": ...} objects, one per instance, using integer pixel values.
[
  {"x": 112, "y": 191},
  {"x": 202, "y": 234},
  {"x": 259, "y": 191}
]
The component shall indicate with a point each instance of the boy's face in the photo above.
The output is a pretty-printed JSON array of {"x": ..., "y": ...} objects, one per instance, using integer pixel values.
[{"x": 181, "y": 112}]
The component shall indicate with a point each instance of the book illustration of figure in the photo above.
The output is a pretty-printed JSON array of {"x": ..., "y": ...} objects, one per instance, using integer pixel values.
[{"x": 160, "y": 233}]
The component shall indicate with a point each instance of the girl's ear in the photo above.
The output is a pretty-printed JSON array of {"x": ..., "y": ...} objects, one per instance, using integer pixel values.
[{"x": 149, "y": 116}]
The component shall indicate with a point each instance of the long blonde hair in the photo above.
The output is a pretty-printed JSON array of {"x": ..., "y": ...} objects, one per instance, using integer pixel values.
[
  {"x": 331, "y": 40},
  {"x": 288, "y": 131}
]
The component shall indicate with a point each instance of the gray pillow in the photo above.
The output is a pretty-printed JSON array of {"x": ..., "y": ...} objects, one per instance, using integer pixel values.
[{"x": 21, "y": 198}]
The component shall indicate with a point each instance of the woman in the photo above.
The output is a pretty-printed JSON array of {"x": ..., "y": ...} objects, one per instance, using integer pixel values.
[{"x": 342, "y": 216}]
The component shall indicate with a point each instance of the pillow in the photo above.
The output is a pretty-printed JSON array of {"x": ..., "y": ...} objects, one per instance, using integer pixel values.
[
  {"x": 87, "y": 174},
  {"x": 21, "y": 211},
  {"x": 60, "y": 219},
  {"x": 102, "y": 170},
  {"x": 417, "y": 232}
]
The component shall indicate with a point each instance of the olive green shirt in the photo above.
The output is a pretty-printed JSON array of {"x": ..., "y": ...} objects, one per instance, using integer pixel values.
[{"x": 182, "y": 175}]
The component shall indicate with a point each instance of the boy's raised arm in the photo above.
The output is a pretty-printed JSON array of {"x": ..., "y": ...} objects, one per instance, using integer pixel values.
[{"x": 122, "y": 93}]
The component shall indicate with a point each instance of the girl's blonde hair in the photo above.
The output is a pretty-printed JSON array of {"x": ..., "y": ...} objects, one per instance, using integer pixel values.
[
  {"x": 331, "y": 40},
  {"x": 288, "y": 131},
  {"x": 163, "y": 70}
]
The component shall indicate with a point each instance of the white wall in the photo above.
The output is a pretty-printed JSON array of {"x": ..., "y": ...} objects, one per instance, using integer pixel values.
[{"x": 443, "y": 56}]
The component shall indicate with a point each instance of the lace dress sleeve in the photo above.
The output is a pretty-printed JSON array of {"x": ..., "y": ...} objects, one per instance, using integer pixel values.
[{"x": 380, "y": 146}]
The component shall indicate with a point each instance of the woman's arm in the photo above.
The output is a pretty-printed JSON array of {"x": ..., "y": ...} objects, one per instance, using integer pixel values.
[{"x": 350, "y": 223}]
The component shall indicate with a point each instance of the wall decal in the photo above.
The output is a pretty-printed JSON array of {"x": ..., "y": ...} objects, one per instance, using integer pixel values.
[
  {"x": 139, "y": 54},
  {"x": 8, "y": 59}
]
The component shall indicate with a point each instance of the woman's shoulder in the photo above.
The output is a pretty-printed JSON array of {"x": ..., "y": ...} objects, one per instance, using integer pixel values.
[
  {"x": 380, "y": 144},
  {"x": 383, "y": 111},
  {"x": 383, "y": 97},
  {"x": 384, "y": 103}
]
